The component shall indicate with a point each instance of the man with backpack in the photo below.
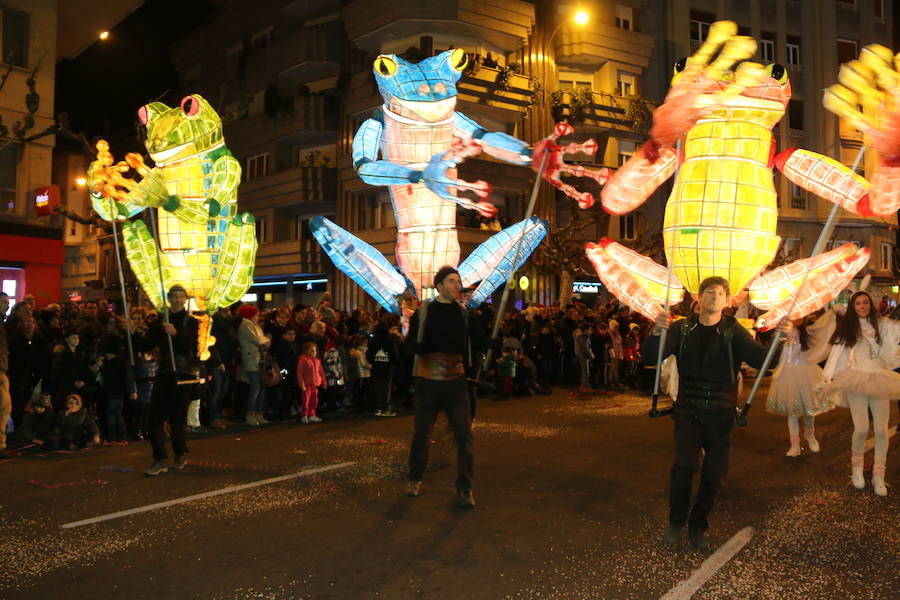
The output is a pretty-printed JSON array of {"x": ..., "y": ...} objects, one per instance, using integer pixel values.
[
  {"x": 710, "y": 348},
  {"x": 444, "y": 340}
]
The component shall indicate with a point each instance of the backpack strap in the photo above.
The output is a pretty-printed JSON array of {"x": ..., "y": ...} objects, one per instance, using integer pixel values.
[{"x": 728, "y": 335}]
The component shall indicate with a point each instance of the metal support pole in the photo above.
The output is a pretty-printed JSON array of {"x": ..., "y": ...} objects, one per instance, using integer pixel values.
[
  {"x": 662, "y": 343},
  {"x": 122, "y": 289},
  {"x": 162, "y": 286},
  {"x": 505, "y": 297},
  {"x": 824, "y": 236}
]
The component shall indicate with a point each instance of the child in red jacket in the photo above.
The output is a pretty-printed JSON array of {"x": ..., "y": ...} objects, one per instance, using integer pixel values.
[{"x": 310, "y": 377}]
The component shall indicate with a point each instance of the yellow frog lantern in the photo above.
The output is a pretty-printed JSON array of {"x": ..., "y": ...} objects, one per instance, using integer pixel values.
[
  {"x": 722, "y": 214},
  {"x": 204, "y": 244}
]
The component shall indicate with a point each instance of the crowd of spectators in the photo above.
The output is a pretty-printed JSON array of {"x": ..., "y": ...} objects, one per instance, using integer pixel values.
[{"x": 73, "y": 380}]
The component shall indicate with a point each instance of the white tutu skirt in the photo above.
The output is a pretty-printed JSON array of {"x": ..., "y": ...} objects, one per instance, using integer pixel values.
[
  {"x": 883, "y": 384},
  {"x": 793, "y": 393}
]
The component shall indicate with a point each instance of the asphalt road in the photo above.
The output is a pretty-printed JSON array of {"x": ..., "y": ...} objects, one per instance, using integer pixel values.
[{"x": 571, "y": 495}]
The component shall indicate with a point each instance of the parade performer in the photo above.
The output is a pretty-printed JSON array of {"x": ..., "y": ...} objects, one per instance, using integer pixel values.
[
  {"x": 422, "y": 139},
  {"x": 446, "y": 341},
  {"x": 859, "y": 375},
  {"x": 793, "y": 388},
  {"x": 710, "y": 348}
]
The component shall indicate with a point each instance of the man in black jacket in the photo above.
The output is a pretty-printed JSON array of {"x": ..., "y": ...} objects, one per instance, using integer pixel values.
[
  {"x": 447, "y": 346},
  {"x": 169, "y": 401},
  {"x": 710, "y": 348}
]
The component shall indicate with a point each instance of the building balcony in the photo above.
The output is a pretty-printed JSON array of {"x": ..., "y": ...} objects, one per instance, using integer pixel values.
[
  {"x": 293, "y": 256},
  {"x": 504, "y": 24},
  {"x": 311, "y": 120},
  {"x": 305, "y": 54},
  {"x": 307, "y": 185},
  {"x": 605, "y": 111},
  {"x": 482, "y": 90},
  {"x": 595, "y": 45}
]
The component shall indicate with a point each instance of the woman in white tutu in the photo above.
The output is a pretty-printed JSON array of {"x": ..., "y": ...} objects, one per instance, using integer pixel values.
[
  {"x": 859, "y": 375},
  {"x": 792, "y": 392}
]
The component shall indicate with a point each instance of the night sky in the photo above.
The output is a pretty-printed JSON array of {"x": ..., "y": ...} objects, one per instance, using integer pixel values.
[{"x": 102, "y": 88}]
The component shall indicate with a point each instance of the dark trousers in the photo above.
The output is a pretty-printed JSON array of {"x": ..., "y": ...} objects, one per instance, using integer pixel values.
[
  {"x": 381, "y": 393},
  {"x": 168, "y": 402},
  {"x": 712, "y": 433},
  {"x": 452, "y": 397}
]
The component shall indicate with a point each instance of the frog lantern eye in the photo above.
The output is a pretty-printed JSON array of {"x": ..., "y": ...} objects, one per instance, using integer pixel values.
[
  {"x": 778, "y": 73},
  {"x": 190, "y": 106},
  {"x": 679, "y": 66},
  {"x": 385, "y": 66},
  {"x": 459, "y": 59},
  {"x": 143, "y": 115}
]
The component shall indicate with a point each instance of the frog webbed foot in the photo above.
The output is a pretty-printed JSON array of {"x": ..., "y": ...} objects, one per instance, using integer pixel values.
[{"x": 635, "y": 279}]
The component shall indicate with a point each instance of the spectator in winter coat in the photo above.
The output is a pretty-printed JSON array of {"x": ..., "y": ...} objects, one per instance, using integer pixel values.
[
  {"x": 360, "y": 370},
  {"x": 39, "y": 424},
  {"x": 115, "y": 374},
  {"x": 548, "y": 355},
  {"x": 310, "y": 377},
  {"x": 252, "y": 341},
  {"x": 76, "y": 427},
  {"x": 382, "y": 355},
  {"x": 29, "y": 364},
  {"x": 70, "y": 371},
  {"x": 335, "y": 373},
  {"x": 584, "y": 354}
]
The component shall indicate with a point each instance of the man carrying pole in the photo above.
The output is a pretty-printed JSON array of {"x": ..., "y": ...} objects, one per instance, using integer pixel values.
[
  {"x": 710, "y": 348},
  {"x": 175, "y": 335}
]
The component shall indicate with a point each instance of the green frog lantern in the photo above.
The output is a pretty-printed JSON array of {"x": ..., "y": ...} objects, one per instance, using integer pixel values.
[{"x": 204, "y": 244}]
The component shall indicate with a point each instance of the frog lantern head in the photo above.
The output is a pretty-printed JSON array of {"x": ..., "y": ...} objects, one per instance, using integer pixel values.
[
  {"x": 180, "y": 132},
  {"x": 424, "y": 91}
]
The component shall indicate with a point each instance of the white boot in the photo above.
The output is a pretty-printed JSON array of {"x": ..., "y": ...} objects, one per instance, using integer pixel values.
[
  {"x": 878, "y": 485},
  {"x": 794, "y": 450},
  {"x": 812, "y": 442},
  {"x": 856, "y": 470}
]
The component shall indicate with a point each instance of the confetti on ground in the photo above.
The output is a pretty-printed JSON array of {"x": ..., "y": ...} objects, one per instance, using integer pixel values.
[{"x": 48, "y": 486}]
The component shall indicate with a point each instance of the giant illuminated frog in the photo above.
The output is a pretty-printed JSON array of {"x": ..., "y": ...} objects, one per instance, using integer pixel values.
[
  {"x": 721, "y": 216},
  {"x": 422, "y": 139},
  {"x": 205, "y": 246}
]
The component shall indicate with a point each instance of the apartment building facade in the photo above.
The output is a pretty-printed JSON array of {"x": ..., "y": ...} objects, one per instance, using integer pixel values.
[{"x": 31, "y": 247}]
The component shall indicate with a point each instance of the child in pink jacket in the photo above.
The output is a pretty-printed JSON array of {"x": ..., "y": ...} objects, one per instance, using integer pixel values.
[{"x": 310, "y": 377}]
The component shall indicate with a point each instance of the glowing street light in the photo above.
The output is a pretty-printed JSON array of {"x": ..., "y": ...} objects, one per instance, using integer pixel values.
[
  {"x": 104, "y": 35},
  {"x": 81, "y": 181},
  {"x": 581, "y": 17}
]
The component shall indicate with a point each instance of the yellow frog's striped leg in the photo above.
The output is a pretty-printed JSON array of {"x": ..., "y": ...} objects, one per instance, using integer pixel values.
[
  {"x": 826, "y": 178},
  {"x": 153, "y": 191},
  {"x": 825, "y": 276},
  {"x": 234, "y": 273},
  {"x": 140, "y": 249},
  {"x": 633, "y": 278},
  {"x": 632, "y": 184},
  {"x": 226, "y": 179}
]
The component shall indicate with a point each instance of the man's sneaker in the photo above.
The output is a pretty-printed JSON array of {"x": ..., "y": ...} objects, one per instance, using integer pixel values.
[
  {"x": 158, "y": 466},
  {"x": 388, "y": 413},
  {"x": 197, "y": 429},
  {"x": 252, "y": 420},
  {"x": 262, "y": 419},
  {"x": 378, "y": 413},
  {"x": 465, "y": 499},
  {"x": 304, "y": 420},
  {"x": 413, "y": 488},
  {"x": 673, "y": 535},
  {"x": 180, "y": 462},
  {"x": 698, "y": 539}
]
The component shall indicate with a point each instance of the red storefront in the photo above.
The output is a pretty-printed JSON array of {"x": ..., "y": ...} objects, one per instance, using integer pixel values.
[{"x": 31, "y": 259}]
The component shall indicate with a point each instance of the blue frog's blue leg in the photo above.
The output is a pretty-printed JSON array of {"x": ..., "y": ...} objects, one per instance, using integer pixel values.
[
  {"x": 360, "y": 262},
  {"x": 491, "y": 262}
]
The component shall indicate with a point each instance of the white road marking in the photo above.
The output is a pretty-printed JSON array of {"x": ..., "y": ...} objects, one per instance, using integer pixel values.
[
  {"x": 870, "y": 443},
  {"x": 210, "y": 494},
  {"x": 687, "y": 588}
]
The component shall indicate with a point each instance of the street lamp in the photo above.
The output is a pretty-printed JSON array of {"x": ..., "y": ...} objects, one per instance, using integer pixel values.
[
  {"x": 81, "y": 181},
  {"x": 580, "y": 18},
  {"x": 104, "y": 35}
]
